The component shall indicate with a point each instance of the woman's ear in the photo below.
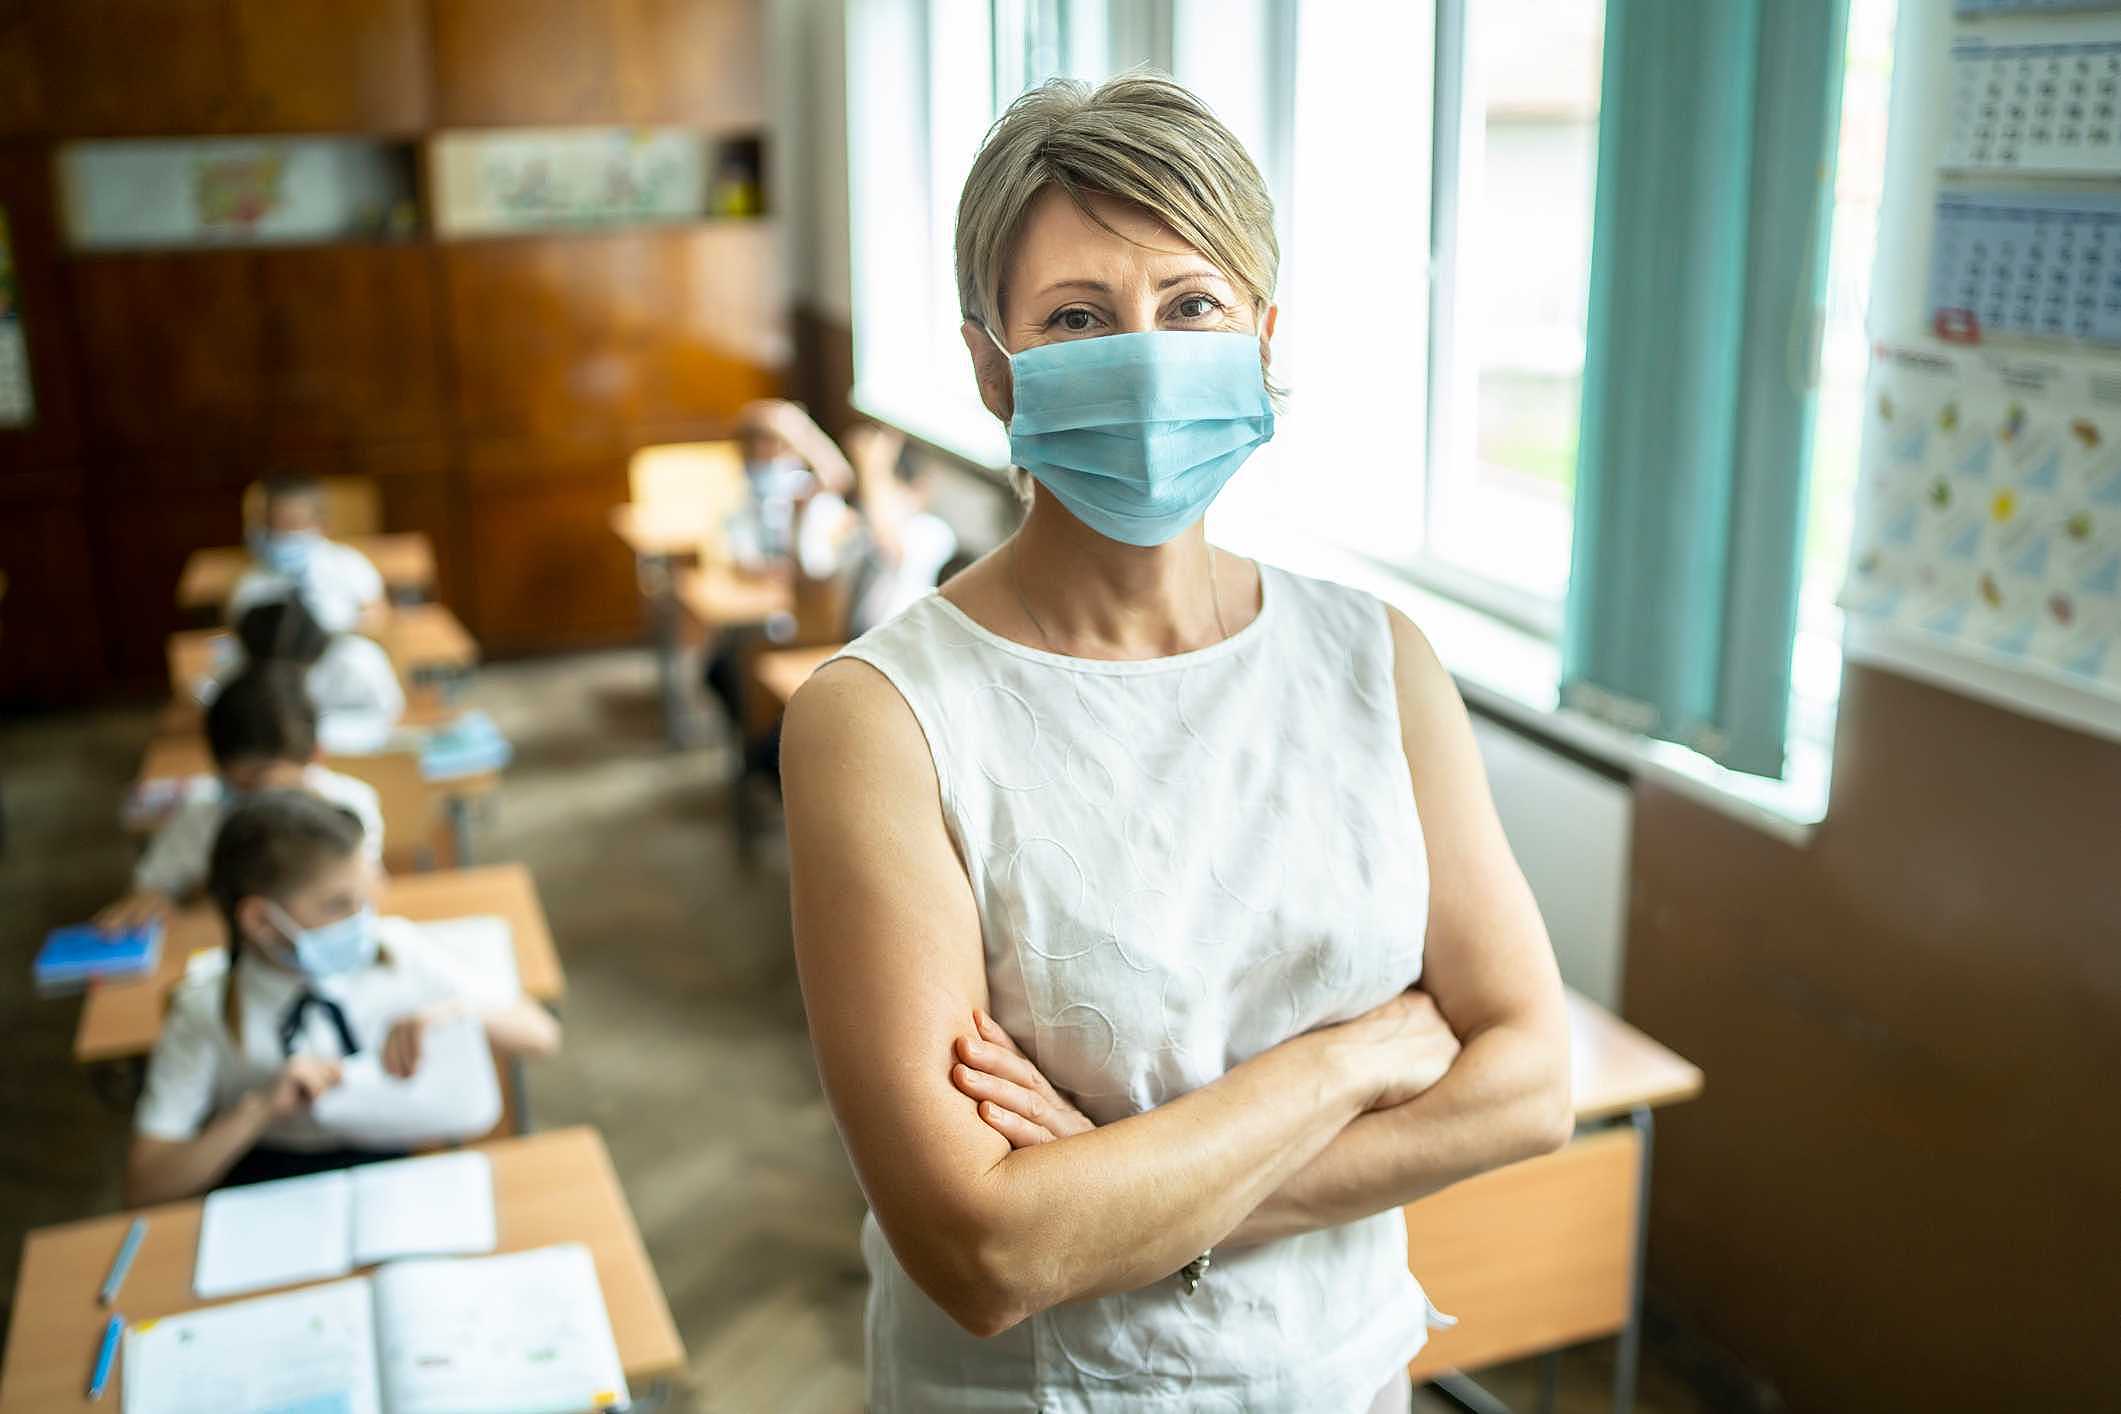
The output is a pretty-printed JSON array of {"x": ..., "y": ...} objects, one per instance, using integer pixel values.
[
  {"x": 1266, "y": 326},
  {"x": 991, "y": 367}
]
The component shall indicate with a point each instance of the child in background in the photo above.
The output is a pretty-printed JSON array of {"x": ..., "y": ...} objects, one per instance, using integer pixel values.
[
  {"x": 263, "y": 734},
  {"x": 350, "y": 679},
  {"x": 789, "y": 463},
  {"x": 905, "y": 546},
  {"x": 292, "y": 557},
  {"x": 313, "y": 978}
]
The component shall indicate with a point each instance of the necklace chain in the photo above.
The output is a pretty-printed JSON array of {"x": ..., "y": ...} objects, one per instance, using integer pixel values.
[{"x": 1016, "y": 577}]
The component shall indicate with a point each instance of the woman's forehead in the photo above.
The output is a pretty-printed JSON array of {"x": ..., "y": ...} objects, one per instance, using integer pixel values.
[{"x": 1059, "y": 241}]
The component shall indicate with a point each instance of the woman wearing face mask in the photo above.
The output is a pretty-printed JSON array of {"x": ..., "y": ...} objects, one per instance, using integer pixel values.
[
  {"x": 1156, "y": 930},
  {"x": 314, "y": 979}
]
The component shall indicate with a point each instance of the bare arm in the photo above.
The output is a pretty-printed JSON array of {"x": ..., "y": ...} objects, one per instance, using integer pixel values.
[
  {"x": 1490, "y": 970},
  {"x": 889, "y": 951},
  {"x": 160, "y": 1170}
]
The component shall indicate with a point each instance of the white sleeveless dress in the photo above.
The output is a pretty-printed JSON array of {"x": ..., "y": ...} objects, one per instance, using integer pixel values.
[{"x": 1178, "y": 863}]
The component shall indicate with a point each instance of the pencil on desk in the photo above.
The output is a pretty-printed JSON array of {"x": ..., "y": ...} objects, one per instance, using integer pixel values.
[
  {"x": 123, "y": 1263},
  {"x": 106, "y": 1356}
]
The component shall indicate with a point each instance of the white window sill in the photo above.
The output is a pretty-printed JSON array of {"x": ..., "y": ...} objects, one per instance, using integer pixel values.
[
  {"x": 1506, "y": 672},
  {"x": 1514, "y": 676}
]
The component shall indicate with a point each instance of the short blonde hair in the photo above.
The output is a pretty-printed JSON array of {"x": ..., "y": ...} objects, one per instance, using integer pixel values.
[{"x": 1139, "y": 137}]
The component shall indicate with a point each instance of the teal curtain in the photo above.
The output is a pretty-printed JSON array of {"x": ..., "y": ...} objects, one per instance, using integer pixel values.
[{"x": 1717, "y": 130}]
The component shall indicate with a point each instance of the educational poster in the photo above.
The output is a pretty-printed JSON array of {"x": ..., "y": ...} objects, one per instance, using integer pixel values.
[
  {"x": 155, "y": 192},
  {"x": 17, "y": 407},
  {"x": 530, "y": 179},
  {"x": 1989, "y": 512}
]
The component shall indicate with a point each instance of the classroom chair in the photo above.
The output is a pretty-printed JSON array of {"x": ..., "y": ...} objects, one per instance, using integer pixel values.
[
  {"x": 688, "y": 484},
  {"x": 353, "y": 505},
  {"x": 415, "y": 828}
]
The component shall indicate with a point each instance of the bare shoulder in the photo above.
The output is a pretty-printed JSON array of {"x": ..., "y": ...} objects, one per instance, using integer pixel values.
[
  {"x": 849, "y": 741},
  {"x": 1416, "y": 670}
]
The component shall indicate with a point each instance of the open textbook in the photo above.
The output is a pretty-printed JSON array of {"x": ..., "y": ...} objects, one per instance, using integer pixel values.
[
  {"x": 301, "y": 1229},
  {"x": 525, "y": 1333}
]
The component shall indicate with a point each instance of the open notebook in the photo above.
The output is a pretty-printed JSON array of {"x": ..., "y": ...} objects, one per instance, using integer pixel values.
[
  {"x": 302, "y": 1229},
  {"x": 524, "y": 1333}
]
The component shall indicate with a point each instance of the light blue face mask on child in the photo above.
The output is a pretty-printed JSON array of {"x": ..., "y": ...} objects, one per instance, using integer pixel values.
[
  {"x": 346, "y": 945},
  {"x": 286, "y": 552},
  {"x": 1137, "y": 433}
]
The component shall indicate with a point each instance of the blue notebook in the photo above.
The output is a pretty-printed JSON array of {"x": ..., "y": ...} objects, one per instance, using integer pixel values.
[{"x": 85, "y": 953}]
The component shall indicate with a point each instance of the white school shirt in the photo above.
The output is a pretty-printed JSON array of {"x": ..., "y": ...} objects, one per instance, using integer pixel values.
[
  {"x": 337, "y": 584},
  {"x": 926, "y": 543},
  {"x": 356, "y": 692},
  {"x": 1178, "y": 863},
  {"x": 198, "y": 1070},
  {"x": 177, "y": 857}
]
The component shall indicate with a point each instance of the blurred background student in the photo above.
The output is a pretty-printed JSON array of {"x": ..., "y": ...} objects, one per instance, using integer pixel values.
[
  {"x": 350, "y": 679},
  {"x": 313, "y": 979},
  {"x": 262, "y": 731},
  {"x": 291, "y": 555}
]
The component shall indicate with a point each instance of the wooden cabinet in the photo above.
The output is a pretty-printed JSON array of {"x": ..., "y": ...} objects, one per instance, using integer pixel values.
[
  {"x": 179, "y": 67},
  {"x": 51, "y": 645},
  {"x": 331, "y": 65},
  {"x": 692, "y": 62},
  {"x": 258, "y": 353},
  {"x": 172, "y": 349},
  {"x": 350, "y": 345},
  {"x": 546, "y": 572},
  {"x": 568, "y": 337}
]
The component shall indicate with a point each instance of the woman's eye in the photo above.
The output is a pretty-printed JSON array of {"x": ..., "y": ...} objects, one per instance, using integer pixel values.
[
  {"x": 1075, "y": 321},
  {"x": 1196, "y": 307}
]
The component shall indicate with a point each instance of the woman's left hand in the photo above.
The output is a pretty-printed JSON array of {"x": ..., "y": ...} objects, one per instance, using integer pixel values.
[{"x": 1015, "y": 1098}]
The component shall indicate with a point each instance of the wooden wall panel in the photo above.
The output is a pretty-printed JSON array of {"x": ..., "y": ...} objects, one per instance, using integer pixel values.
[
  {"x": 140, "y": 541},
  {"x": 692, "y": 62},
  {"x": 50, "y": 631},
  {"x": 172, "y": 349},
  {"x": 54, "y": 436},
  {"x": 331, "y": 65},
  {"x": 524, "y": 61},
  {"x": 137, "y": 67},
  {"x": 573, "y": 337},
  {"x": 1898, "y": 1192},
  {"x": 351, "y": 344},
  {"x": 21, "y": 76},
  {"x": 547, "y": 570}
]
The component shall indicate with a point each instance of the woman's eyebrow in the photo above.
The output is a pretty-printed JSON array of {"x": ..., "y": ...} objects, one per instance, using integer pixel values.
[{"x": 1200, "y": 272}]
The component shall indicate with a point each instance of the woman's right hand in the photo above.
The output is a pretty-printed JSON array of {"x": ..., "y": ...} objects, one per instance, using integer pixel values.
[
  {"x": 1397, "y": 1050},
  {"x": 298, "y": 1084}
]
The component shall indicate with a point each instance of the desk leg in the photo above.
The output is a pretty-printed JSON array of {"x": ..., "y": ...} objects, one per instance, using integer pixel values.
[
  {"x": 652, "y": 573},
  {"x": 519, "y": 1082},
  {"x": 1626, "y": 1359},
  {"x": 460, "y": 830}
]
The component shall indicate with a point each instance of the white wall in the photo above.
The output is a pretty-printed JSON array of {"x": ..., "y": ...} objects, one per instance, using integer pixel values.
[
  {"x": 806, "y": 59},
  {"x": 1569, "y": 828}
]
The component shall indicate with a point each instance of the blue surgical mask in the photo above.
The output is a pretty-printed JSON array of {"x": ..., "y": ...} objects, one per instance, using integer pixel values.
[
  {"x": 333, "y": 949},
  {"x": 285, "y": 552},
  {"x": 1137, "y": 433}
]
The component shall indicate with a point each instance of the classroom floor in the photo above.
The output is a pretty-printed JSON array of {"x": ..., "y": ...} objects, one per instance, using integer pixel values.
[{"x": 685, "y": 1041}]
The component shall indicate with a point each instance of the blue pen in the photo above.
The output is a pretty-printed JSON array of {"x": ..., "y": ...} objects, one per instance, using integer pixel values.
[
  {"x": 123, "y": 1262},
  {"x": 106, "y": 1356}
]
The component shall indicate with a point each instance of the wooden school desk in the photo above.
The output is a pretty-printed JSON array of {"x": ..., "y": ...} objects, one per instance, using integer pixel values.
[
  {"x": 406, "y": 562},
  {"x": 1549, "y": 1252},
  {"x": 783, "y": 670},
  {"x": 548, "y": 1188},
  {"x": 662, "y": 541},
  {"x": 424, "y": 641},
  {"x": 122, "y": 1020},
  {"x": 413, "y": 807}
]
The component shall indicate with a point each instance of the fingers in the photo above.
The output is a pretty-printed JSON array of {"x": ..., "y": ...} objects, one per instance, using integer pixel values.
[
  {"x": 992, "y": 1031},
  {"x": 1008, "y": 1065},
  {"x": 1020, "y": 1132},
  {"x": 993, "y": 1090}
]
